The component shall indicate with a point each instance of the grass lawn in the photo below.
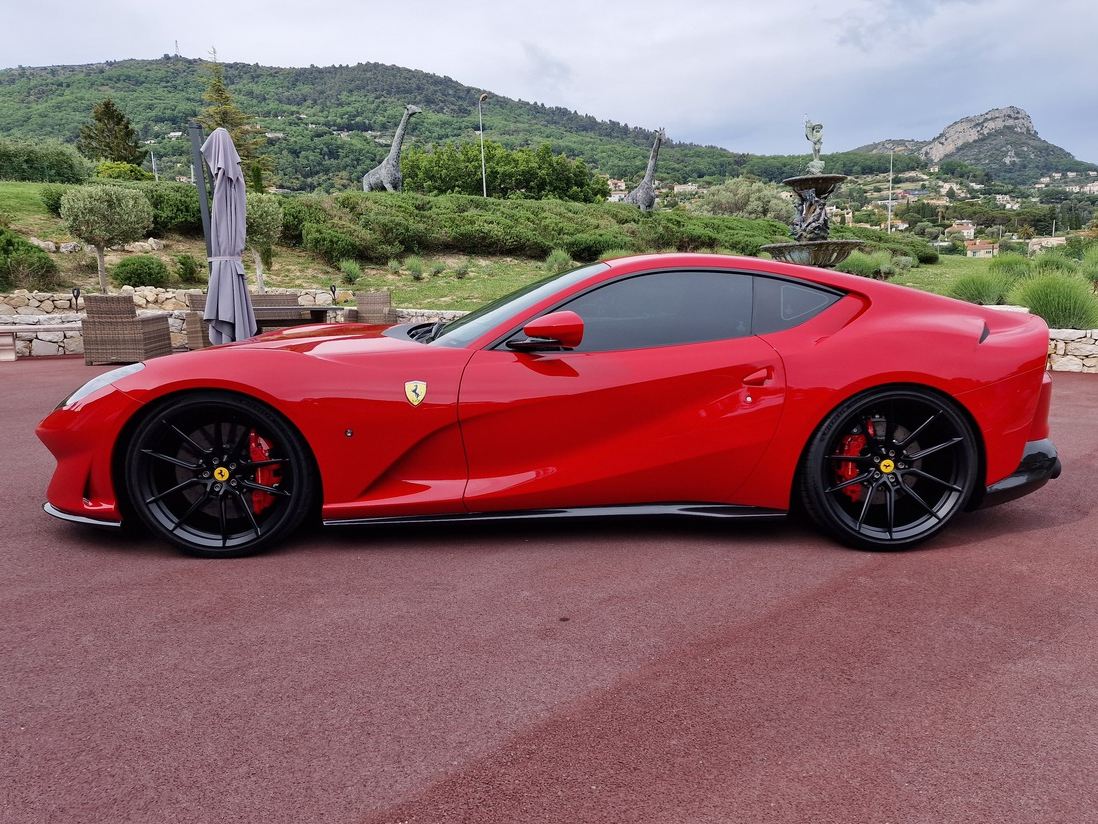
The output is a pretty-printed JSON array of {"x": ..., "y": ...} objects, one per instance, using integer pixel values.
[
  {"x": 22, "y": 209},
  {"x": 938, "y": 277}
]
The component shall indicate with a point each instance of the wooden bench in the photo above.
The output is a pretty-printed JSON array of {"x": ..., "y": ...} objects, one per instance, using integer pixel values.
[{"x": 9, "y": 331}]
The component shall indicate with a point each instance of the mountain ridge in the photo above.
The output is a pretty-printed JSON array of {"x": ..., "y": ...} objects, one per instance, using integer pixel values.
[{"x": 341, "y": 115}]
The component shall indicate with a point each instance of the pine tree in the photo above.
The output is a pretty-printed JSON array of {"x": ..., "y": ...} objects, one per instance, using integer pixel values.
[
  {"x": 222, "y": 112},
  {"x": 110, "y": 136}
]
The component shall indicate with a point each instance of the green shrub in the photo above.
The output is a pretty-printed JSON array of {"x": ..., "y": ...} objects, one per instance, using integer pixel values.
[
  {"x": 113, "y": 170},
  {"x": 332, "y": 244},
  {"x": 175, "y": 207},
  {"x": 51, "y": 194},
  {"x": 593, "y": 246},
  {"x": 896, "y": 244},
  {"x": 437, "y": 268},
  {"x": 190, "y": 269},
  {"x": 299, "y": 212},
  {"x": 140, "y": 270},
  {"x": 858, "y": 263},
  {"x": 47, "y": 161},
  {"x": 1011, "y": 265},
  {"x": 558, "y": 261},
  {"x": 877, "y": 264},
  {"x": 415, "y": 267},
  {"x": 984, "y": 288},
  {"x": 1064, "y": 301},
  {"x": 24, "y": 266},
  {"x": 1052, "y": 262},
  {"x": 1088, "y": 266},
  {"x": 462, "y": 268},
  {"x": 350, "y": 270}
]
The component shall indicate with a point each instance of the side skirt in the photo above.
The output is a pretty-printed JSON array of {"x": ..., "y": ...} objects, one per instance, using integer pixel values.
[
  {"x": 624, "y": 511},
  {"x": 77, "y": 519}
]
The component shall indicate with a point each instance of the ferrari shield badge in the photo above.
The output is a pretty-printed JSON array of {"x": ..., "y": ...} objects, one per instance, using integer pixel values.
[{"x": 415, "y": 392}]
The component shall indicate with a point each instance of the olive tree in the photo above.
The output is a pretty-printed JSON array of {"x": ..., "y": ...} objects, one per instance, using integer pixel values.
[
  {"x": 105, "y": 216},
  {"x": 746, "y": 198},
  {"x": 264, "y": 226}
]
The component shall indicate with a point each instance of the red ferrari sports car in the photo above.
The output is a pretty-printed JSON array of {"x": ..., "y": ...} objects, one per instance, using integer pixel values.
[{"x": 702, "y": 385}]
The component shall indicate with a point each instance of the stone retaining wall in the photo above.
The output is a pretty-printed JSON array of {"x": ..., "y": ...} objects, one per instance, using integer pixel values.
[
  {"x": 1073, "y": 350},
  {"x": 23, "y": 308},
  {"x": 1070, "y": 350}
]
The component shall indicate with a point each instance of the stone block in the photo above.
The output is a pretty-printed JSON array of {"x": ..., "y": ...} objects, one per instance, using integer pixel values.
[
  {"x": 1066, "y": 364},
  {"x": 42, "y": 348}
]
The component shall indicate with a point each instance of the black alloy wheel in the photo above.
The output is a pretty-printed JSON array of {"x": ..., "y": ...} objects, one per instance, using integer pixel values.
[
  {"x": 888, "y": 469},
  {"x": 218, "y": 475}
]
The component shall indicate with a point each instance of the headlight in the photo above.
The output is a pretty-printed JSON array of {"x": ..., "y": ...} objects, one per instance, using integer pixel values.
[{"x": 99, "y": 382}]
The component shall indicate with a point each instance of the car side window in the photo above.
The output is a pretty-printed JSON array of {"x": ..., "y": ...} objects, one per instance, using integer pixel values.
[
  {"x": 664, "y": 309},
  {"x": 783, "y": 304}
]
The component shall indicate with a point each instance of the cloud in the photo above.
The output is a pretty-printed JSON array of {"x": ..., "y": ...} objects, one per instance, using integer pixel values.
[{"x": 547, "y": 76}]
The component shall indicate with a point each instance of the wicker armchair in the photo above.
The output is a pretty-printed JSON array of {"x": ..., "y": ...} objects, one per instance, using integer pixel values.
[
  {"x": 372, "y": 307},
  {"x": 198, "y": 333},
  {"x": 113, "y": 332}
]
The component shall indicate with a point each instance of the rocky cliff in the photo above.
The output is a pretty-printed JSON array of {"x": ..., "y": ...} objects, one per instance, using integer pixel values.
[
  {"x": 970, "y": 129},
  {"x": 1001, "y": 142}
]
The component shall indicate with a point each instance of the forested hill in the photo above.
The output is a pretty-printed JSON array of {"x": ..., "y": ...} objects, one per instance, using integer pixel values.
[
  {"x": 327, "y": 126},
  {"x": 335, "y": 122}
]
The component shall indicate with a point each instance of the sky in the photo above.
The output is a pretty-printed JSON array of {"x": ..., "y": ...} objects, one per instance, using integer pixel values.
[{"x": 731, "y": 73}]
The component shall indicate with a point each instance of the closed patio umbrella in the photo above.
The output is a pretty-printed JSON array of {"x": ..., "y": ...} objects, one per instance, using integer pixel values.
[{"x": 228, "y": 304}]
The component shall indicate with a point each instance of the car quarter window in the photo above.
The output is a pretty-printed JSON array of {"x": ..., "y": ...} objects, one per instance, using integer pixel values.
[
  {"x": 782, "y": 304},
  {"x": 664, "y": 309}
]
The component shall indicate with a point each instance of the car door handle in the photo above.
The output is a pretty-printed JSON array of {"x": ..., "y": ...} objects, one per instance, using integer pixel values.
[{"x": 759, "y": 377}]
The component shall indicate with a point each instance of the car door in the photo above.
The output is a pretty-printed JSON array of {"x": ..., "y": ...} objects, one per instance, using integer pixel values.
[{"x": 668, "y": 398}]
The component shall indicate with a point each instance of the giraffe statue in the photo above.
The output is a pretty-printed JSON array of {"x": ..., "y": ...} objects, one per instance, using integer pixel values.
[
  {"x": 387, "y": 176},
  {"x": 644, "y": 196}
]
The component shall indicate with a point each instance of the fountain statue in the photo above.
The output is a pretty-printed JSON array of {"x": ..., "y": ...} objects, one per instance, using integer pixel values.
[{"x": 811, "y": 226}]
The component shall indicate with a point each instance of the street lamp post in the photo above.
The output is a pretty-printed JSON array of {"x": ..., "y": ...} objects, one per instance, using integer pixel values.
[
  {"x": 480, "y": 115},
  {"x": 890, "y": 191}
]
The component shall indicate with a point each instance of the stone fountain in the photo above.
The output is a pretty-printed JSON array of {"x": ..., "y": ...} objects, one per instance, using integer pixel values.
[{"x": 811, "y": 226}]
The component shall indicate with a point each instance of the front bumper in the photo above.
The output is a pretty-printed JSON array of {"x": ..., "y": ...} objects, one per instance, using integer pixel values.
[{"x": 1038, "y": 466}]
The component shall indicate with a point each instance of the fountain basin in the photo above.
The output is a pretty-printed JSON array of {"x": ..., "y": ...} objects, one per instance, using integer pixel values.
[
  {"x": 823, "y": 185},
  {"x": 823, "y": 253}
]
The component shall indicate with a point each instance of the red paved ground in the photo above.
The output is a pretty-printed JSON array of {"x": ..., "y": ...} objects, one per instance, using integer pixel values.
[{"x": 671, "y": 672}]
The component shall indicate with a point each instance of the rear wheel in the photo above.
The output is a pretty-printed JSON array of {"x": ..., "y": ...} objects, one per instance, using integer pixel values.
[
  {"x": 889, "y": 469},
  {"x": 218, "y": 475}
]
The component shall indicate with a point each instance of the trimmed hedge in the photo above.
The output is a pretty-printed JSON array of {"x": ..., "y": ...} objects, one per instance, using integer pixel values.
[{"x": 379, "y": 226}]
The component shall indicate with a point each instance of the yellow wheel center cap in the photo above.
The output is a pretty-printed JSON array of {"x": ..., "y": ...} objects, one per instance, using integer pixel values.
[
  {"x": 221, "y": 474},
  {"x": 887, "y": 466}
]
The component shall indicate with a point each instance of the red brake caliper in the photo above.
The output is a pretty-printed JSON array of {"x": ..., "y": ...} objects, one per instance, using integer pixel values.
[
  {"x": 852, "y": 445},
  {"x": 260, "y": 450}
]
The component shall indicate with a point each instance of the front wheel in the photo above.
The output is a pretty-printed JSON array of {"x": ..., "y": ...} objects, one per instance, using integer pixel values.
[
  {"x": 889, "y": 469},
  {"x": 218, "y": 475}
]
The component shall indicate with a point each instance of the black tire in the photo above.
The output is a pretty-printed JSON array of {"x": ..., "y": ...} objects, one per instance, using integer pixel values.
[
  {"x": 218, "y": 475},
  {"x": 888, "y": 469}
]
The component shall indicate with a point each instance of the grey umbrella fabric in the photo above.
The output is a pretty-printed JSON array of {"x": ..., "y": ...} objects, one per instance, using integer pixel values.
[{"x": 228, "y": 304}]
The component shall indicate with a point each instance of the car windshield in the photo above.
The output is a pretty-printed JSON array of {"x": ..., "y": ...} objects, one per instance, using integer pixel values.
[{"x": 464, "y": 330}]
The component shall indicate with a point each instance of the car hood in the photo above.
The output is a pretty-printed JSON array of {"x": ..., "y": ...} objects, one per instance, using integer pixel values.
[{"x": 323, "y": 340}]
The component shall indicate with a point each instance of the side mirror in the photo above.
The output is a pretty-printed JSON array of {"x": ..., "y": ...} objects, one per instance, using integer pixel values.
[{"x": 557, "y": 330}]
